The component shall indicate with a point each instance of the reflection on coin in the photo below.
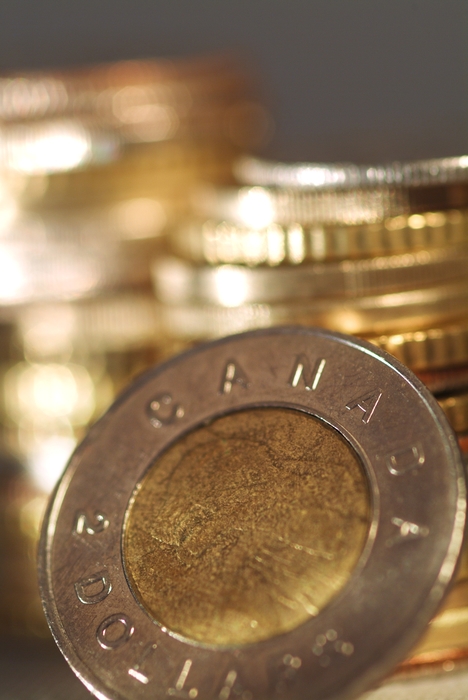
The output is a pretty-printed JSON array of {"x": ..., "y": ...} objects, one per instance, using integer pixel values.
[
  {"x": 254, "y": 423},
  {"x": 444, "y": 381},
  {"x": 426, "y": 349},
  {"x": 270, "y": 243},
  {"x": 177, "y": 282},
  {"x": 397, "y": 312},
  {"x": 347, "y": 176},
  {"x": 225, "y": 547},
  {"x": 456, "y": 409}
]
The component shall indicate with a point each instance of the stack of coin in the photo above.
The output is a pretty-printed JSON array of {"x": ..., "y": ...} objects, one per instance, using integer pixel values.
[
  {"x": 95, "y": 165},
  {"x": 380, "y": 252}
]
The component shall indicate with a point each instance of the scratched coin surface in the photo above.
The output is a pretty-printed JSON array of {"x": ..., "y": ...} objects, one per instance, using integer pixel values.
[
  {"x": 273, "y": 515},
  {"x": 246, "y": 527}
]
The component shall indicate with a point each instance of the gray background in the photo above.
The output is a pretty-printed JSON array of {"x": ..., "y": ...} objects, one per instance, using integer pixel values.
[{"x": 345, "y": 79}]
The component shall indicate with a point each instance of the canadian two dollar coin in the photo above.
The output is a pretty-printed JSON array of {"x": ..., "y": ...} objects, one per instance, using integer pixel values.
[{"x": 277, "y": 514}]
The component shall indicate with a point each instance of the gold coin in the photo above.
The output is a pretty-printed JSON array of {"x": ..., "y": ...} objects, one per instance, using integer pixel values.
[
  {"x": 260, "y": 206},
  {"x": 397, "y": 312},
  {"x": 446, "y": 638},
  {"x": 145, "y": 101},
  {"x": 456, "y": 410},
  {"x": 225, "y": 547},
  {"x": 443, "y": 346},
  {"x": 165, "y": 170},
  {"x": 445, "y": 380},
  {"x": 176, "y": 281},
  {"x": 217, "y": 242},
  {"x": 51, "y": 146}
]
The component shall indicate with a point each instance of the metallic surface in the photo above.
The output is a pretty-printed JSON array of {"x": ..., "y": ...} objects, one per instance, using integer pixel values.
[
  {"x": 443, "y": 381},
  {"x": 418, "y": 504},
  {"x": 430, "y": 348},
  {"x": 456, "y": 409},
  {"x": 56, "y": 146},
  {"x": 144, "y": 101},
  {"x": 176, "y": 281},
  {"x": 237, "y": 534},
  {"x": 387, "y": 313},
  {"x": 267, "y": 242},
  {"x": 33, "y": 272},
  {"x": 285, "y": 205},
  {"x": 347, "y": 176}
]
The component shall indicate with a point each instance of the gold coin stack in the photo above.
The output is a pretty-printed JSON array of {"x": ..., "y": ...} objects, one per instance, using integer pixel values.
[
  {"x": 95, "y": 166},
  {"x": 380, "y": 252}
]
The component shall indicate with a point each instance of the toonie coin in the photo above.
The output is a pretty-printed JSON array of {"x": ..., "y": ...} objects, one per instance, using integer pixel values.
[{"x": 272, "y": 515}]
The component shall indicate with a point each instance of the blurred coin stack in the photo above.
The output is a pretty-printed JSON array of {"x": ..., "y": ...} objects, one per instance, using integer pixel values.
[
  {"x": 378, "y": 251},
  {"x": 95, "y": 166}
]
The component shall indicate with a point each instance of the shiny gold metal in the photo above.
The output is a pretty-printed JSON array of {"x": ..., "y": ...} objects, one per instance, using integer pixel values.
[
  {"x": 387, "y": 313},
  {"x": 164, "y": 170},
  {"x": 446, "y": 639},
  {"x": 61, "y": 270},
  {"x": 217, "y": 242},
  {"x": 260, "y": 206},
  {"x": 456, "y": 409},
  {"x": 56, "y": 146},
  {"x": 144, "y": 101},
  {"x": 225, "y": 547},
  {"x": 446, "y": 380},
  {"x": 129, "y": 219},
  {"x": 176, "y": 281},
  {"x": 426, "y": 349}
]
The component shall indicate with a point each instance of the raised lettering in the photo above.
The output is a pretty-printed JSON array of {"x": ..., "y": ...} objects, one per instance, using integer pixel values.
[
  {"x": 406, "y": 531},
  {"x": 84, "y": 525},
  {"x": 329, "y": 643},
  {"x": 405, "y": 459},
  {"x": 179, "y": 689},
  {"x": 310, "y": 375},
  {"x": 94, "y": 588},
  {"x": 136, "y": 671},
  {"x": 164, "y": 411},
  {"x": 233, "y": 374},
  {"x": 367, "y": 403},
  {"x": 225, "y": 691},
  {"x": 114, "y": 631}
]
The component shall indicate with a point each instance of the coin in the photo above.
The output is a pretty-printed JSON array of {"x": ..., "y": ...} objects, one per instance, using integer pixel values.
[
  {"x": 129, "y": 219},
  {"x": 456, "y": 409},
  {"x": 270, "y": 243},
  {"x": 31, "y": 272},
  {"x": 430, "y": 348},
  {"x": 240, "y": 441},
  {"x": 443, "y": 381},
  {"x": 397, "y": 312},
  {"x": 165, "y": 169},
  {"x": 176, "y": 281},
  {"x": 56, "y": 146},
  {"x": 322, "y": 176},
  {"x": 260, "y": 206},
  {"x": 145, "y": 101}
]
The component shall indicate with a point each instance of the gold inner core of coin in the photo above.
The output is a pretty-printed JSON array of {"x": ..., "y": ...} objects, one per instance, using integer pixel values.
[{"x": 247, "y": 527}]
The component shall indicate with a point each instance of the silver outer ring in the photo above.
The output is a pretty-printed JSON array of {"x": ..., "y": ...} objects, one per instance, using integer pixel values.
[
  {"x": 348, "y": 176},
  {"x": 415, "y": 473}
]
